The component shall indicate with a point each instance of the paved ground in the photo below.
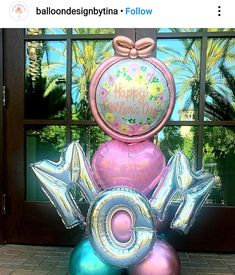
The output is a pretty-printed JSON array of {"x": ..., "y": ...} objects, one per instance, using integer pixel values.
[{"x": 26, "y": 259}]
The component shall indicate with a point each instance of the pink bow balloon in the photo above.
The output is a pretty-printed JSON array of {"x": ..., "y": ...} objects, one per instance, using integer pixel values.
[{"x": 124, "y": 46}]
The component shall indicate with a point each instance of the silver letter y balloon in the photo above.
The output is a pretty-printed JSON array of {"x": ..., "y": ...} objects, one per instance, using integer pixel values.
[{"x": 194, "y": 187}]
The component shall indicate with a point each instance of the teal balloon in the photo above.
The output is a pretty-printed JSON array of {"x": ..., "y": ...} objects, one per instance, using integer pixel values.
[{"x": 84, "y": 261}]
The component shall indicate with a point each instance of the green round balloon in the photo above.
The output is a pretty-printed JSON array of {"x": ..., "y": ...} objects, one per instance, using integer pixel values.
[{"x": 84, "y": 261}]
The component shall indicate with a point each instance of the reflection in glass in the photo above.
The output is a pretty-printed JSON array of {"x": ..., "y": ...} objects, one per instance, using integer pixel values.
[
  {"x": 219, "y": 159},
  {"x": 37, "y": 31},
  {"x": 42, "y": 142},
  {"x": 174, "y": 138},
  {"x": 182, "y": 56},
  {"x": 90, "y": 138},
  {"x": 93, "y": 31},
  {"x": 179, "y": 30},
  {"x": 45, "y": 79},
  {"x": 87, "y": 55},
  {"x": 220, "y": 79},
  {"x": 221, "y": 29}
]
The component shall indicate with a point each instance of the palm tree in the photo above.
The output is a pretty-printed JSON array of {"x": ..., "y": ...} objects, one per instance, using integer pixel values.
[
  {"x": 87, "y": 55},
  {"x": 223, "y": 105},
  {"x": 35, "y": 50},
  {"x": 185, "y": 64},
  {"x": 94, "y": 31},
  {"x": 45, "y": 85}
]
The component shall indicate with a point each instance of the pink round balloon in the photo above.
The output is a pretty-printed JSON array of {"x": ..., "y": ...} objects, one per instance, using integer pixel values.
[
  {"x": 121, "y": 226},
  {"x": 163, "y": 260},
  {"x": 132, "y": 99},
  {"x": 136, "y": 165}
]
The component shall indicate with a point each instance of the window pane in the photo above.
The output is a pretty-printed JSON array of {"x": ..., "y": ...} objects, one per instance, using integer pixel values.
[
  {"x": 220, "y": 79},
  {"x": 36, "y": 31},
  {"x": 219, "y": 159},
  {"x": 45, "y": 79},
  {"x": 42, "y": 142},
  {"x": 179, "y": 30},
  {"x": 93, "y": 31},
  {"x": 90, "y": 138},
  {"x": 221, "y": 29},
  {"x": 182, "y": 56},
  {"x": 87, "y": 55},
  {"x": 183, "y": 138}
]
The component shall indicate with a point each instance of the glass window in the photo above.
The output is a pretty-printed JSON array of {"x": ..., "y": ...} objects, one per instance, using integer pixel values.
[
  {"x": 86, "y": 56},
  {"x": 182, "y": 56},
  {"x": 93, "y": 31},
  {"x": 174, "y": 138},
  {"x": 169, "y": 30},
  {"x": 220, "y": 79},
  {"x": 90, "y": 138},
  {"x": 45, "y": 79},
  {"x": 219, "y": 159},
  {"x": 36, "y": 31},
  {"x": 221, "y": 29}
]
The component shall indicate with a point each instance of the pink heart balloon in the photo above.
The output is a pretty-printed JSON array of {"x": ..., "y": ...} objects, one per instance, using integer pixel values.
[{"x": 136, "y": 165}]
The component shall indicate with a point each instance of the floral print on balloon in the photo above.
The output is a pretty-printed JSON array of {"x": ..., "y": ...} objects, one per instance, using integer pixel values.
[{"x": 132, "y": 96}]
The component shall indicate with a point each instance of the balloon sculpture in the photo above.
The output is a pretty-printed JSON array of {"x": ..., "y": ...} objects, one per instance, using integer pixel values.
[{"x": 129, "y": 187}]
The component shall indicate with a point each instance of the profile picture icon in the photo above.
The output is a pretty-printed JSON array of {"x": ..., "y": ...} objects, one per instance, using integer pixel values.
[{"x": 18, "y": 11}]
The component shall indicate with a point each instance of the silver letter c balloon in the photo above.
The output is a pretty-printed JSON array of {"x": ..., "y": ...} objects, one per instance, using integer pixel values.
[{"x": 121, "y": 226}]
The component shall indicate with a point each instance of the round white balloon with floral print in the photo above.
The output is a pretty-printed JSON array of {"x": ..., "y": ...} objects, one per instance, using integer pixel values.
[{"x": 131, "y": 99}]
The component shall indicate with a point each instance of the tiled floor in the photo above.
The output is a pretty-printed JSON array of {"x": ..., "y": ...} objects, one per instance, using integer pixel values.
[{"x": 25, "y": 259}]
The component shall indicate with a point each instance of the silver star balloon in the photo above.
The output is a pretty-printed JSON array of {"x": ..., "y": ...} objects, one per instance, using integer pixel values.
[{"x": 57, "y": 180}]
